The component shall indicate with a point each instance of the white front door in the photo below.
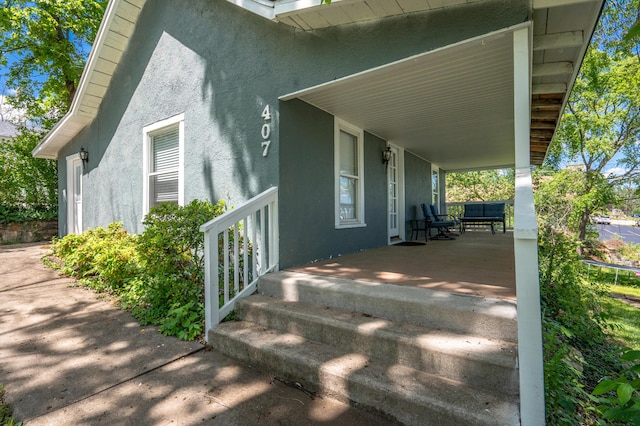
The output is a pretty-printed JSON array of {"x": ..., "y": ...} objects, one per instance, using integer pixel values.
[
  {"x": 395, "y": 194},
  {"x": 74, "y": 195}
]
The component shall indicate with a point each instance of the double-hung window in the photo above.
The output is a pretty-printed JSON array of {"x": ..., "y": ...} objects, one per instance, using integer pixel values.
[
  {"x": 163, "y": 162},
  {"x": 349, "y": 175},
  {"x": 435, "y": 186}
]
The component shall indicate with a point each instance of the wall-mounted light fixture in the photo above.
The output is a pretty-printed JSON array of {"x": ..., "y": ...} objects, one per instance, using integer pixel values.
[
  {"x": 84, "y": 156},
  {"x": 386, "y": 155}
]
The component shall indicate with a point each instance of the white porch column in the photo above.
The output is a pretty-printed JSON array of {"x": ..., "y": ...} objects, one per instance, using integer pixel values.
[{"x": 530, "y": 350}]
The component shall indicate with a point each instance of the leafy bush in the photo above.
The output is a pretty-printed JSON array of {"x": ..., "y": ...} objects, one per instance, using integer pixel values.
[
  {"x": 172, "y": 242},
  {"x": 172, "y": 254},
  {"x": 159, "y": 274},
  {"x": 576, "y": 350},
  {"x": 21, "y": 214},
  {"x": 25, "y": 180},
  {"x": 631, "y": 251},
  {"x": 623, "y": 400},
  {"x": 103, "y": 258}
]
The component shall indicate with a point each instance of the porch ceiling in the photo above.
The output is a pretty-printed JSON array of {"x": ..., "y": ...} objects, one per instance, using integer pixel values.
[
  {"x": 423, "y": 103},
  {"x": 454, "y": 106}
]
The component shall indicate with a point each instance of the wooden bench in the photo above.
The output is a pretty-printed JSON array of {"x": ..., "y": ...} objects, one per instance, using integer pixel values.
[{"x": 483, "y": 214}]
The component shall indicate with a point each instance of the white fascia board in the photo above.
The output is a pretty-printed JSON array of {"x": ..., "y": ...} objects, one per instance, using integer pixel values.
[
  {"x": 264, "y": 8},
  {"x": 291, "y": 6}
]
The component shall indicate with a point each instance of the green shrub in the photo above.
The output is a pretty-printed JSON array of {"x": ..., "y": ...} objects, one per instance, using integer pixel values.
[
  {"x": 171, "y": 250},
  {"x": 621, "y": 402},
  {"x": 631, "y": 251},
  {"x": 103, "y": 258},
  {"x": 184, "y": 320},
  {"x": 21, "y": 214},
  {"x": 577, "y": 352},
  {"x": 159, "y": 274},
  {"x": 172, "y": 242}
]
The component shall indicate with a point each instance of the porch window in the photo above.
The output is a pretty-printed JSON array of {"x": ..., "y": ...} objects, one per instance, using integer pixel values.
[
  {"x": 163, "y": 152},
  {"x": 435, "y": 186},
  {"x": 349, "y": 176}
]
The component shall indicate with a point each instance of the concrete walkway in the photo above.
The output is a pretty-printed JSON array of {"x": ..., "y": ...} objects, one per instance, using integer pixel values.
[{"x": 67, "y": 357}]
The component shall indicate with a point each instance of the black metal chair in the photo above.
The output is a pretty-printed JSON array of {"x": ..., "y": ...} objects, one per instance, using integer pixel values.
[{"x": 417, "y": 226}]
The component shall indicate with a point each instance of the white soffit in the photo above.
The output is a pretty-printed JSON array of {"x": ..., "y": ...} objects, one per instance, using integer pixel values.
[
  {"x": 452, "y": 106},
  {"x": 311, "y": 15}
]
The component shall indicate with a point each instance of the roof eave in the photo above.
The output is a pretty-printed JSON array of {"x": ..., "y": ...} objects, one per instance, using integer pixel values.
[{"x": 111, "y": 41}]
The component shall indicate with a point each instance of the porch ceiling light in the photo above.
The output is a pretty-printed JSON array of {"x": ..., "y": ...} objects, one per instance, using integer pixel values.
[
  {"x": 84, "y": 156},
  {"x": 386, "y": 155}
]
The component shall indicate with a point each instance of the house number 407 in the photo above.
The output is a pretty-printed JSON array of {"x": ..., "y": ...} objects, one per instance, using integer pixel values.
[{"x": 265, "y": 131}]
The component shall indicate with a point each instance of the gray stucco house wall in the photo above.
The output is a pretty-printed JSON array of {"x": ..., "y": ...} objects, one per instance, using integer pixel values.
[{"x": 220, "y": 65}]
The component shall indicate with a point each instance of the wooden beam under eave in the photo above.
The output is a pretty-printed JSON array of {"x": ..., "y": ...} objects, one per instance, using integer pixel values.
[
  {"x": 545, "y": 115},
  {"x": 548, "y": 125},
  {"x": 558, "y": 40},
  {"x": 546, "y": 104},
  {"x": 552, "y": 68},
  {"x": 539, "y": 133},
  {"x": 538, "y": 140},
  {"x": 539, "y": 146}
]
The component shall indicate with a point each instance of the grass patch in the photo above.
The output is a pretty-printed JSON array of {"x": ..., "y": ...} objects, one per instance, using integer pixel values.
[
  {"x": 623, "y": 320},
  {"x": 608, "y": 275},
  {"x": 624, "y": 289}
]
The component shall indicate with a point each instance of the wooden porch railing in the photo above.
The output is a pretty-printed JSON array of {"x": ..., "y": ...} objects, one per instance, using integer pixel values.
[
  {"x": 457, "y": 209},
  {"x": 239, "y": 247}
]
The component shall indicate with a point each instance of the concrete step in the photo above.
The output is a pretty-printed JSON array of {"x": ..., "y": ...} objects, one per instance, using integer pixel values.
[
  {"x": 406, "y": 394},
  {"x": 462, "y": 357},
  {"x": 480, "y": 316}
]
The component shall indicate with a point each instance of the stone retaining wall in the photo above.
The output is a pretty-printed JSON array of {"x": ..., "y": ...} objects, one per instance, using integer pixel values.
[{"x": 37, "y": 230}]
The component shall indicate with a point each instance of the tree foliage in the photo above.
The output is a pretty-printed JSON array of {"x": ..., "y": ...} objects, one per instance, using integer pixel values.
[
  {"x": 600, "y": 128},
  {"x": 24, "y": 180},
  {"x": 483, "y": 185},
  {"x": 561, "y": 200},
  {"x": 43, "y": 48},
  {"x": 44, "y": 45}
]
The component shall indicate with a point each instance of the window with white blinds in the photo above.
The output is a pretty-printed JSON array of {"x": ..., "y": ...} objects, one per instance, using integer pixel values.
[
  {"x": 165, "y": 160},
  {"x": 163, "y": 163}
]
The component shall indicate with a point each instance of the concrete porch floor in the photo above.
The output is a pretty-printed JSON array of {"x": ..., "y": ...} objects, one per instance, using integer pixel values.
[{"x": 476, "y": 262}]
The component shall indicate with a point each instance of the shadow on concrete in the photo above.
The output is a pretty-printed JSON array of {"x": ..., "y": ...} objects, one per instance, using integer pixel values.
[{"x": 68, "y": 358}]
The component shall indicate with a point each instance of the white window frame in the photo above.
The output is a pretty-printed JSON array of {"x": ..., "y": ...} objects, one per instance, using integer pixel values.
[
  {"x": 147, "y": 138},
  {"x": 341, "y": 125},
  {"x": 435, "y": 191}
]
